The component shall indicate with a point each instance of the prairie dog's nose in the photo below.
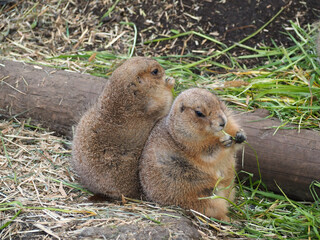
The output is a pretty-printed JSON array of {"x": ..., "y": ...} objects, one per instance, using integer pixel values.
[{"x": 170, "y": 82}]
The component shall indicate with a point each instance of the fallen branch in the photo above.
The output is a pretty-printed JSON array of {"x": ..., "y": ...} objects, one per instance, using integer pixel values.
[{"x": 56, "y": 99}]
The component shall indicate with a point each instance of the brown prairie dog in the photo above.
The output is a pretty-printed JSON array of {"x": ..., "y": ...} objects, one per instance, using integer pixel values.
[
  {"x": 187, "y": 154},
  {"x": 110, "y": 136}
]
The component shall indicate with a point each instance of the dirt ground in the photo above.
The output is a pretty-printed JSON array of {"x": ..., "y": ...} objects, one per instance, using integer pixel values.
[{"x": 226, "y": 21}]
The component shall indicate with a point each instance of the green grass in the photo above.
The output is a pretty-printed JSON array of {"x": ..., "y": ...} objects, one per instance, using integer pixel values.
[
  {"x": 268, "y": 215},
  {"x": 286, "y": 83}
]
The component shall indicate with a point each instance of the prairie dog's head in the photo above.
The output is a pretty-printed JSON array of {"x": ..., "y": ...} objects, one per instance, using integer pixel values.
[
  {"x": 143, "y": 83},
  {"x": 142, "y": 72},
  {"x": 197, "y": 115}
]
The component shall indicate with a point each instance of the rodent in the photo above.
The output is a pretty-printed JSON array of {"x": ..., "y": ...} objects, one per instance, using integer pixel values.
[
  {"x": 110, "y": 136},
  {"x": 187, "y": 155}
]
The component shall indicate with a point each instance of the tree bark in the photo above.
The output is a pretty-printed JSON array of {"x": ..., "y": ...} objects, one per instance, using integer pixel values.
[
  {"x": 288, "y": 158},
  {"x": 57, "y": 99},
  {"x": 54, "y": 98}
]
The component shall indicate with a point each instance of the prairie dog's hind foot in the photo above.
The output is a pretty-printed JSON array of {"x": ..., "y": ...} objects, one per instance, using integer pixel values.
[{"x": 217, "y": 208}]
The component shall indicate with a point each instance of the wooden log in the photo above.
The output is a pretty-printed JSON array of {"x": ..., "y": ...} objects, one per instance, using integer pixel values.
[
  {"x": 57, "y": 99},
  {"x": 288, "y": 158},
  {"x": 54, "y": 98}
]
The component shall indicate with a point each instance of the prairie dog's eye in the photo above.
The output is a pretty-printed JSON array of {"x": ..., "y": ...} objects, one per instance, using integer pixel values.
[
  {"x": 199, "y": 114},
  {"x": 155, "y": 71}
]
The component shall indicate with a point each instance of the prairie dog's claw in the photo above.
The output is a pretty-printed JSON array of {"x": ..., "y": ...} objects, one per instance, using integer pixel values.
[
  {"x": 226, "y": 140},
  {"x": 240, "y": 137}
]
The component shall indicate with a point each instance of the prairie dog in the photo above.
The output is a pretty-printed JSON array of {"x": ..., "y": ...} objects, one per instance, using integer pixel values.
[
  {"x": 187, "y": 156},
  {"x": 110, "y": 136}
]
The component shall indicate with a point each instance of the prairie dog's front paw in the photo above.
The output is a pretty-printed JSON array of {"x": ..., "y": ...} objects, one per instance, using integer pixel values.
[
  {"x": 226, "y": 140},
  {"x": 240, "y": 137}
]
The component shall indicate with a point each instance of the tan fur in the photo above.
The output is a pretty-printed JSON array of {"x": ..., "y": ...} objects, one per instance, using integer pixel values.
[
  {"x": 186, "y": 155},
  {"x": 110, "y": 136}
]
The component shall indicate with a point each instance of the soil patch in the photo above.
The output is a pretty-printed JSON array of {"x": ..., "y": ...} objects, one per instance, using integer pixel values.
[
  {"x": 60, "y": 27},
  {"x": 227, "y": 21}
]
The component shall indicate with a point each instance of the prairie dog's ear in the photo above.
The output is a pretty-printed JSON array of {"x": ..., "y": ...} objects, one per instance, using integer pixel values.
[
  {"x": 222, "y": 105},
  {"x": 182, "y": 107}
]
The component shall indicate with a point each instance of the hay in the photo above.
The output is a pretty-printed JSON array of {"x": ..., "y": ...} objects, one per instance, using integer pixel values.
[
  {"x": 36, "y": 31},
  {"x": 40, "y": 198}
]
